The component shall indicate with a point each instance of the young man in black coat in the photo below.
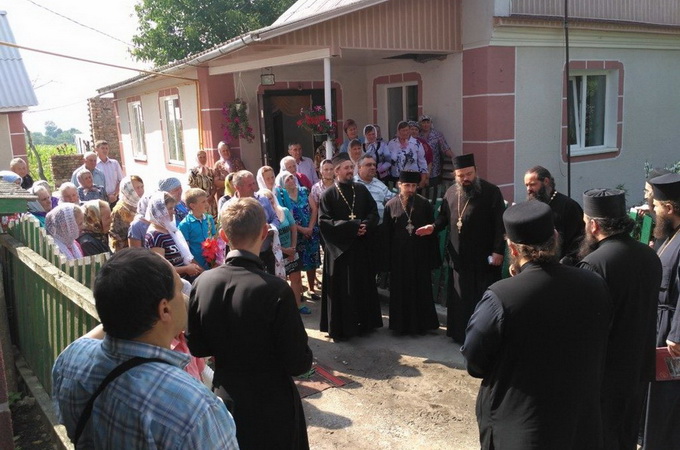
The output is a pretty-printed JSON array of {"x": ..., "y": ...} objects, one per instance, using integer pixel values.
[
  {"x": 538, "y": 340},
  {"x": 247, "y": 319},
  {"x": 633, "y": 273}
]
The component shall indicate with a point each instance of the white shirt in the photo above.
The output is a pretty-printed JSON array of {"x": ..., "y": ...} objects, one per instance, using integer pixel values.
[{"x": 112, "y": 173}]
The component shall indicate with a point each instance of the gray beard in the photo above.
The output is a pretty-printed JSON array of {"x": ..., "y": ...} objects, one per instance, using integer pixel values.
[{"x": 468, "y": 192}]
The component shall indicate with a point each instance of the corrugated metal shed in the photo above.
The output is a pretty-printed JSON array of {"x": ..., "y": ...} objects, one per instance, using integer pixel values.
[{"x": 16, "y": 91}]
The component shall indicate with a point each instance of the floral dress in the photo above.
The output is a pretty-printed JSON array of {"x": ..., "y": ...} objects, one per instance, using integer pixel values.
[
  {"x": 121, "y": 218},
  {"x": 307, "y": 248},
  {"x": 203, "y": 179}
]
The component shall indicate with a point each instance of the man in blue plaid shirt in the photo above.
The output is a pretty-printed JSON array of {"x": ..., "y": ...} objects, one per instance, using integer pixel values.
[{"x": 156, "y": 404}]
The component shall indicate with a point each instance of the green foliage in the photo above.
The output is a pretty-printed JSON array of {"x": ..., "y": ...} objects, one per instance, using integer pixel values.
[
  {"x": 54, "y": 135},
  {"x": 170, "y": 30},
  {"x": 46, "y": 152}
]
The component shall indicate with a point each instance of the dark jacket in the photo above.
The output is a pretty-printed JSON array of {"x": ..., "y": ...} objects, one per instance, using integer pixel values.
[{"x": 247, "y": 319}]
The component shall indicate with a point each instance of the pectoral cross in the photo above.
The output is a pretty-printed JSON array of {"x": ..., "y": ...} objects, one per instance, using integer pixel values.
[
  {"x": 459, "y": 224},
  {"x": 409, "y": 227},
  {"x": 352, "y": 216}
]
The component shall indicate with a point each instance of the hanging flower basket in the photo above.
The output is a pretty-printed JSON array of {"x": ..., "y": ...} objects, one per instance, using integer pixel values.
[
  {"x": 314, "y": 120},
  {"x": 237, "y": 126}
]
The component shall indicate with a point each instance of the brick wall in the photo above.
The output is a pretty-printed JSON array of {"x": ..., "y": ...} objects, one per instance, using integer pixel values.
[
  {"x": 63, "y": 167},
  {"x": 103, "y": 124}
]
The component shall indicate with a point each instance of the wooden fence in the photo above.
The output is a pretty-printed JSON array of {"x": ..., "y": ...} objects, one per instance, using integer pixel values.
[{"x": 49, "y": 298}]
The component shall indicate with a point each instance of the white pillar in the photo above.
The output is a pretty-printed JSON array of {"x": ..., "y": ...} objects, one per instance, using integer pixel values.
[{"x": 327, "y": 101}]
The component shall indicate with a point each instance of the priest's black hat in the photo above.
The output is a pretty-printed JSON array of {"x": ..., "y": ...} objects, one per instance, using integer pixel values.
[
  {"x": 409, "y": 176},
  {"x": 604, "y": 203},
  {"x": 657, "y": 172},
  {"x": 666, "y": 187},
  {"x": 463, "y": 161},
  {"x": 340, "y": 158},
  {"x": 529, "y": 223}
]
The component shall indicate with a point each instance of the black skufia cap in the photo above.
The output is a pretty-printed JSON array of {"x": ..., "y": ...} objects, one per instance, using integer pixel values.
[
  {"x": 604, "y": 203},
  {"x": 463, "y": 161},
  {"x": 529, "y": 223},
  {"x": 409, "y": 176},
  {"x": 666, "y": 187},
  {"x": 340, "y": 158}
]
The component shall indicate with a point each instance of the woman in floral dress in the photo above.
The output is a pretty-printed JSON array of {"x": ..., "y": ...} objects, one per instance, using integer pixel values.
[{"x": 202, "y": 177}]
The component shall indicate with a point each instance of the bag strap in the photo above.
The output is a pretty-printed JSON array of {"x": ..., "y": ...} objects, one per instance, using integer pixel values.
[{"x": 115, "y": 373}]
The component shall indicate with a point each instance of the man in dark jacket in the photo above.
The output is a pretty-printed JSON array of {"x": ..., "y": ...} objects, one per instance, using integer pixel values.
[
  {"x": 247, "y": 320},
  {"x": 538, "y": 340},
  {"x": 633, "y": 273}
]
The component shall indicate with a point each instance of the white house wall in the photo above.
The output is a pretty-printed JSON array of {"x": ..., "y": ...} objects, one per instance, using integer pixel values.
[{"x": 650, "y": 117}]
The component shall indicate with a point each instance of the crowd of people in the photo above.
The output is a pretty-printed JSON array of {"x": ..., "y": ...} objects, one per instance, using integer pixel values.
[{"x": 565, "y": 346}]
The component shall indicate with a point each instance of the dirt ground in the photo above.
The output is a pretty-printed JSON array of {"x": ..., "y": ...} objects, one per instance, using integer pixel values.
[{"x": 405, "y": 392}]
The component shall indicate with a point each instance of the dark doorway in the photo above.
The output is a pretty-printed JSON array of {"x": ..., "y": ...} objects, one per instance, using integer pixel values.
[{"x": 280, "y": 113}]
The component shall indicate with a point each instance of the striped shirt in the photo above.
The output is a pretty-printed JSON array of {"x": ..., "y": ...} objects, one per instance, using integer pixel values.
[{"x": 154, "y": 405}]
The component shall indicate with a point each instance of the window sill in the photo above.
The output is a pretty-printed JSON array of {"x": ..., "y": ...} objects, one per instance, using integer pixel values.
[
  {"x": 575, "y": 152},
  {"x": 140, "y": 158}
]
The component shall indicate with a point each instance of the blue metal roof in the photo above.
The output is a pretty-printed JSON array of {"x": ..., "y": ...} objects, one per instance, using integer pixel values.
[{"x": 16, "y": 91}]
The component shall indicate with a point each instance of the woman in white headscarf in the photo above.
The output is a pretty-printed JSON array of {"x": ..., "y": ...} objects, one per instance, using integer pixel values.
[
  {"x": 131, "y": 188},
  {"x": 164, "y": 238},
  {"x": 266, "y": 178},
  {"x": 64, "y": 224},
  {"x": 138, "y": 227}
]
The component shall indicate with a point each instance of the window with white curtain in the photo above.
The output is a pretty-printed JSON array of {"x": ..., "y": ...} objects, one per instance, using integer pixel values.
[
  {"x": 172, "y": 127},
  {"x": 137, "y": 130}
]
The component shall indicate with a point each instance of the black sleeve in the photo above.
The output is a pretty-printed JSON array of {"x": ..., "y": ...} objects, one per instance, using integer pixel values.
[
  {"x": 442, "y": 220},
  {"x": 290, "y": 337},
  {"x": 573, "y": 230},
  {"x": 498, "y": 207},
  {"x": 483, "y": 336},
  {"x": 196, "y": 342}
]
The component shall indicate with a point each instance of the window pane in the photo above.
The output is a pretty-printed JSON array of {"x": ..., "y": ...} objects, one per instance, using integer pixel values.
[
  {"x": 174, "y": 130},
  {"x": 595, "y": 102},
  {"x": 137, "y": 123},
  {"x": 574, "y": 92},
  {"x": 395, "y": 110},
  {"x": 412, "y": 102}
]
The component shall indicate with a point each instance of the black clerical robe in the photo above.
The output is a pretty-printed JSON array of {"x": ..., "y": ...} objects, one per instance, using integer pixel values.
[
  {"x": 568, "y": 217},
  {"x": 663, "y": 404},
  {"x": 632, "y": 271},
  {"x": 349, "y": 298},
  {"x": 412, "y": 259},
  {"x": 482, "y": 233},
  {"x": 538, "y": 340}
]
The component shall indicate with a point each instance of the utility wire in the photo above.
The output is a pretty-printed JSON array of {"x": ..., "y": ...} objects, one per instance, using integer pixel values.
[{"x": 80, "y": 24}]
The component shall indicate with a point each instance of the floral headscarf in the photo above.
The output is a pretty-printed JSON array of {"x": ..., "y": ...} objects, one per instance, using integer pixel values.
[
  {"x": 142, "y": 206},
  {"x": 93, "y": 217},
  {"x": 157, "y": 213},
  {"x": 128, "y": 194},
  {"x": 260, "y": 177},
  {"x": 61, "y": 224}
]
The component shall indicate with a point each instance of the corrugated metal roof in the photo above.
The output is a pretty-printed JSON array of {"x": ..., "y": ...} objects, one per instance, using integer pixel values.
[
  {"x": 16, "y": 91},
  {"x": 307, "y": 8}
]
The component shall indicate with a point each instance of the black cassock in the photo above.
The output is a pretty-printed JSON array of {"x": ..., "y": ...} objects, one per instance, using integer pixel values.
[
  {"x": 568, "y": 217},
  {"x": 411, "y": 260},
  {"x": 349, "y": 298}
]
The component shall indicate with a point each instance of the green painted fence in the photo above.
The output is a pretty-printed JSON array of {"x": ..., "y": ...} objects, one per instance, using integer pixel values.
[{"x": 49, "y": 298}]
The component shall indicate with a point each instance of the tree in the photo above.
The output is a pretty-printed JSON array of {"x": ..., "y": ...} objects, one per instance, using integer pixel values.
[{"x": 170, "y": 30}]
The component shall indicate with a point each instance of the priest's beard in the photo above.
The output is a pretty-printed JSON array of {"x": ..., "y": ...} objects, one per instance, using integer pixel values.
[
  {"x": 588, "y": 245},
  {"x": 541, "y": 194},
  {"x": 469, "y": 191},
  {"x": 664, "y": 226}
]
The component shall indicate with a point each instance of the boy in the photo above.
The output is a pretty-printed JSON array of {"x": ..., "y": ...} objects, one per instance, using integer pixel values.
[{"x": 197, "y": 226}]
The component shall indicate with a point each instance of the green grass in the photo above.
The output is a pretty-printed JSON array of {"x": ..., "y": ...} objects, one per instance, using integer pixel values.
[{"x": 46, "y": 152}]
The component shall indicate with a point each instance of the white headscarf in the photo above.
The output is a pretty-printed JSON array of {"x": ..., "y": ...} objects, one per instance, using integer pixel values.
[
  {"x": 260, "y": 177},
  {"x": 157, "y": 213},
  {"x": 128, "y": 193},
  {"x": 143, "y": 205},
  {"x": 61, "y": 224}
]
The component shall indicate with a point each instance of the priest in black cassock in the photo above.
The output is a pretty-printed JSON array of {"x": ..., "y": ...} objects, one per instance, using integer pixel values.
[
  {"x": 348, "y": 219},
  {"x": 473, "y": 208},
  {"x": 662, "y": 430},
  {"x": 411, "y": 258}
]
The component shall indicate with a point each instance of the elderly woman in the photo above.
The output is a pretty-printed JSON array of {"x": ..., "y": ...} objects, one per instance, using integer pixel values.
[
  {"x": 304, "y": 211},
  {"x": 64, "y": 223},
  {"x": 288, "y": 164},
  {"x": 202, "y": 177},
  {"x": 43, "y": 205},
  {"x": 164, "y": 238},
  {"x": 266, "y": 178},
  {"x": 173, "y": 186},
  {"x": 223, "y": 167},
  {"x": 68, "y": 193},
  {"x": 139, "y": 225},
  {"x": 94, "y": 239},
  {"x": 131, "y": 188}
]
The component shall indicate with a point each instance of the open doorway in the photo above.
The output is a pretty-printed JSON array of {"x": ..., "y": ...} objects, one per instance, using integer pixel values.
[{"x": 280, "y": 112}]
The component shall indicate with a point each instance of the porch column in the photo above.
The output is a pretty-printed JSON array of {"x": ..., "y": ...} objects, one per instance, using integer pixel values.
[{"x": 327, "y": 101}]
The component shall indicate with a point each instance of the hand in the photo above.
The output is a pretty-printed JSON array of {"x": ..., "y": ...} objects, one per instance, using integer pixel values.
[
  {"x": 291, "y": 255},
  {"x": 112, "y": 198},
  {"x": 362, "y": 230},
  {"x": 496, "y": 259},
  {"x": 195, "y": 269},
  {"x": 425, "y": 230},
  {"x": 673, "y": 348}
]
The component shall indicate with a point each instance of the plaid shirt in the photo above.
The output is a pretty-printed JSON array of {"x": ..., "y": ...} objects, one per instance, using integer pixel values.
[
  {"x": 439, "y": 148},
  {"x": 154, "y": 405}
]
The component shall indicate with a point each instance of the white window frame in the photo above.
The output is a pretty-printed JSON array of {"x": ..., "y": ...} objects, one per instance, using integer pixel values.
[
  {"x": 610, "y": 113},
  {"x": 137, "y": 131},
  {"x": 177, "y": 136},
  {"x": 383, "y": 109}
]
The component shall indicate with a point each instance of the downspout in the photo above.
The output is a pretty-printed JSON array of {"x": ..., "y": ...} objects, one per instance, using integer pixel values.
[{"x": 566, "y": 74}]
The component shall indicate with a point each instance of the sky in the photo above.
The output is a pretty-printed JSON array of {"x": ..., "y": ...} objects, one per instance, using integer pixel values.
[{"x": 62, "y": 85}]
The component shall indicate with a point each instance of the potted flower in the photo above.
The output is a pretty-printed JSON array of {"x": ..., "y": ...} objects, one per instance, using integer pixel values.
[
  {"x": 314, "y": 120},
  {"x": 236, "y": 116}
]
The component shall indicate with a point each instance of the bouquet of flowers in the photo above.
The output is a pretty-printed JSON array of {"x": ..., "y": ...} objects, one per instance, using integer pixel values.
[
  {"x": 236, "y": 116},
  {"x": 314, "y": 120},
  {"x": 213, "y": 251}
]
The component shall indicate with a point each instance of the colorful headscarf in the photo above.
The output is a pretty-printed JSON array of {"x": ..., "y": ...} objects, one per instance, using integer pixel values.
[
  {"x": 61, "y": 224},
  {"x": 157, "y": 213},
  {"x": 168, "y": 184},
  {"x": 93, "y": 217},
  {"x": 128, "y": 193}
]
